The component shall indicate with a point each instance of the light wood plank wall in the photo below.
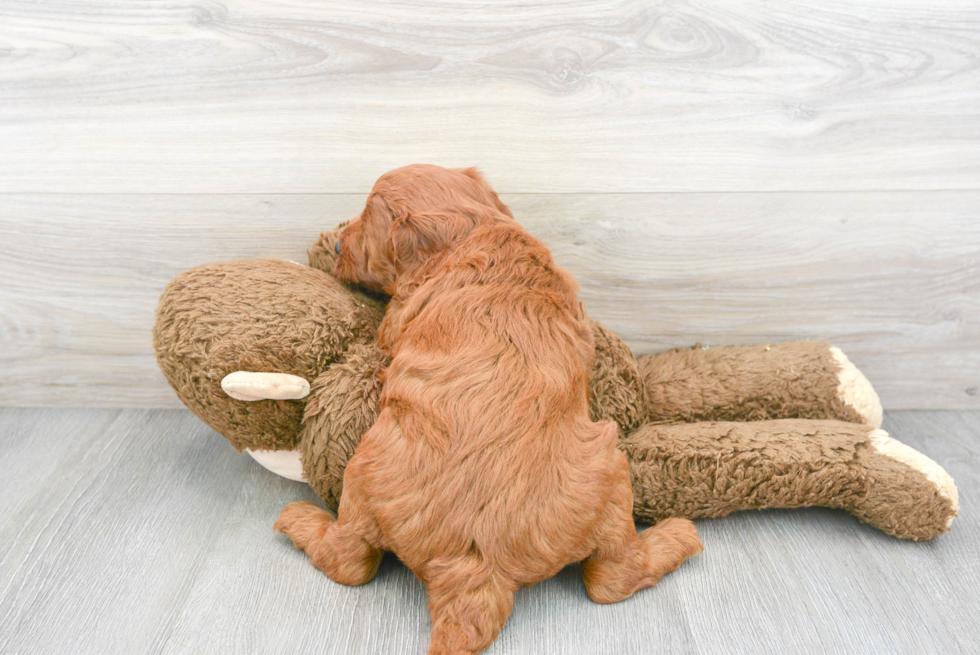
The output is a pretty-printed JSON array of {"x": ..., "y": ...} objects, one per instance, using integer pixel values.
[{"x": 724, "y": 172}]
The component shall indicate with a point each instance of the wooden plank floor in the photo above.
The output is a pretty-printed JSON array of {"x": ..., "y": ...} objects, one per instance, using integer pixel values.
[{"x": 142, "y": 531}]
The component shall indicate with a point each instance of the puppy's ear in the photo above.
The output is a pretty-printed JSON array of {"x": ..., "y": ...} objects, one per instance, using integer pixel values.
[
  {"x": 377, "y": 211},
  {"x": 375, "y": 269},
  {"x": 486, "y": 190},
  {"x": 414, "y": 237}
]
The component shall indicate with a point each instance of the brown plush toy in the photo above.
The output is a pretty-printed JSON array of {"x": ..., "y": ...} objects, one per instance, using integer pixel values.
[{"x": 280, "y": 359}]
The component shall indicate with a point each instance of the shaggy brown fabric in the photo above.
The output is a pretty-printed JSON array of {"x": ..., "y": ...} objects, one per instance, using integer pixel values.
[
  {"x": 716, "y": 468},
  {"x": 269, "y": 315},
  {"x": 322, "y": 254},
  {"x": 794, "y": 379},
  {"x": 255, "y": 315},
  {"x": 616, "y": 390},
  {"x": 898, "y": 499},
  {"x": 343, "y": 404}
]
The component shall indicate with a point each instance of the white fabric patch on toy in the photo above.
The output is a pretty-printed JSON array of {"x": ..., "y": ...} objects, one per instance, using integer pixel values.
[
  {"x": 855, "y": 390},
  {"x": 249, "y": 386},
  {"x": 286, "y": 463},
  {"x": 912, "y": 458}
]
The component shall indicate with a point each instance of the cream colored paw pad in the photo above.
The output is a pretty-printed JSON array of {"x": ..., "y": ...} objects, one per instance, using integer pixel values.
[
  {"x": 286, "y": 463},
  {"x": 912, "y": 458},
  {"x": 855, "y": 390}
]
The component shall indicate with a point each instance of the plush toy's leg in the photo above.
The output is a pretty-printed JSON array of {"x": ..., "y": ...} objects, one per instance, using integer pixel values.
[
  {"x": 624, "y": 562},
  {"x": 794, "y": 379},
  {"x": 713, "y": 469},
  {"x": 335, "y": 547}
]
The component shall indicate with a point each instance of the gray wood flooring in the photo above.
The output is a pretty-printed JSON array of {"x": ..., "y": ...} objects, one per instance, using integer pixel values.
[{"x": 142, "y": 531}]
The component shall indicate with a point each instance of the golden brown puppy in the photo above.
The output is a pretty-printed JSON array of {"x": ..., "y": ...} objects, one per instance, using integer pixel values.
[{"x": 483, "y": 472}]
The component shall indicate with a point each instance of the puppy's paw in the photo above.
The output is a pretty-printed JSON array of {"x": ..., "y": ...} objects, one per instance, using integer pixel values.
[
  {"x": 676, "y": 536},
  {"x": 303, "y": 522}
]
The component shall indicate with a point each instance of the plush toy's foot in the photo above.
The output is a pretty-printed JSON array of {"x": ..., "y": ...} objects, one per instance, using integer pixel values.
[
  {"x": 333, "y": 547},
  {"x": 713, "y": 469},
  {"x": 855, "y": 391},
  {"x": 908, "y": 495},
  {"x": 793, "y": 379}
]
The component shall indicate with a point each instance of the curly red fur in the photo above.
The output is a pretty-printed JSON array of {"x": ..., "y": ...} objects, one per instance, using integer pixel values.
[{"x": 483, "y": 472}]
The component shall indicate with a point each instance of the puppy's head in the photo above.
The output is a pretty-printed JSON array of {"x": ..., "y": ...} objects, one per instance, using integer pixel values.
[{"x": 411, "y": 214}]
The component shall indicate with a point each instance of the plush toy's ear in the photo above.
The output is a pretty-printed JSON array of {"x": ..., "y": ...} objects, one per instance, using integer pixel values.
[{"x": 252, "y": 386}]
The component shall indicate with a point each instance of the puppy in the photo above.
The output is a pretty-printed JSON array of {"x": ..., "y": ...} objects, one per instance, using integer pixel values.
[{"x": 483, "y": 472}]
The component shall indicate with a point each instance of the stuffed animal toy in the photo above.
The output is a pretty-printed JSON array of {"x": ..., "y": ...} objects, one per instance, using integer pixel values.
[{"x": 280, "y": 359}]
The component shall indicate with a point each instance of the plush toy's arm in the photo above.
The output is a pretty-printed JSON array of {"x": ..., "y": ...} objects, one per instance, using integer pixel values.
[
  {"x": 712, "y": 469},
  {"x": 795, "y": 379},
  {"x": 342, "y": 406},
  {"x": 323, "y": 254}
]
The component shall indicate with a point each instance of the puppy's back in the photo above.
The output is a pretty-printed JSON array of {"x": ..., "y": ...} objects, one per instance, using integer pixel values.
[{"x": 487, "y": 386}]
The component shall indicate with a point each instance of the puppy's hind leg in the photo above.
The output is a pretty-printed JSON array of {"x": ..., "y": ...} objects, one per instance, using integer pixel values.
[
  {"x": 334, "y": 547},
  {"x": 624, "y": 562}
]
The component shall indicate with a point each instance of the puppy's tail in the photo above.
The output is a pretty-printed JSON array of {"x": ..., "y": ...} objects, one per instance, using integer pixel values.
[{"x": 469, "y": 605}]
